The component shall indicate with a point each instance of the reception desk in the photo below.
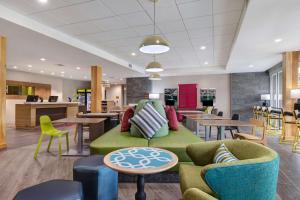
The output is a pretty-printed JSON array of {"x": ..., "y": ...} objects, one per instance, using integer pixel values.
[{"x": 28, "y": 114}]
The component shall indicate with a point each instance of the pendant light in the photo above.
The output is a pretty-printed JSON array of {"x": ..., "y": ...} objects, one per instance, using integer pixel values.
[
  {"x": 154, "y": 67},
  {"x": 155, "y": 77},
  {"x": 154, "y": 44}
]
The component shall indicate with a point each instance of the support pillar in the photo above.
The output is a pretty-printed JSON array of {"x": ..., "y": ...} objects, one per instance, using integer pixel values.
[
  {"x": 96, "y": 85},
  {"x": 2, "y": 92}
]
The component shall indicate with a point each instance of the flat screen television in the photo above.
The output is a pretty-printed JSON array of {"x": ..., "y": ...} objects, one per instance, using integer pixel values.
[
  {"x": 32, "y": 98},
  {"x": 52, "y": 98}
]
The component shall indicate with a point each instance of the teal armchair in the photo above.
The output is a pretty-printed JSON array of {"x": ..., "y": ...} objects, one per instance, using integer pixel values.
[{"x": 254, "y": 177}]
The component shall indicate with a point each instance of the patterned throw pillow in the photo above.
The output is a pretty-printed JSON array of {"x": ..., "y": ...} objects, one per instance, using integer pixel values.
[
  {"x": 224, "y": 155},
  {"x": 148, "y": 121}
]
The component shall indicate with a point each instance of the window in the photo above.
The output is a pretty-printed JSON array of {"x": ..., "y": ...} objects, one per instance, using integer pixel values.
[{"x": 276, "y": 89}]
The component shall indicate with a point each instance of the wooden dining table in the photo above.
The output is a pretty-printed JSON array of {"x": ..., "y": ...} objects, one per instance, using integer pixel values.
[
  {"x": 221, "y": 124},
  {"x": 80, "y": 151}
]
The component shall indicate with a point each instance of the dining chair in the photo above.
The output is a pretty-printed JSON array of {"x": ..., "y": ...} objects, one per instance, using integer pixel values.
[
  {"x": 232, "y": 128},
  {"x": 258, "y": 124},
  {"x": 48, "y": 129}
]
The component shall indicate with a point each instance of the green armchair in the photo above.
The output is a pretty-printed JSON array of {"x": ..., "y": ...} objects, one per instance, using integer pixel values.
[{"x": 254, "y": 177}]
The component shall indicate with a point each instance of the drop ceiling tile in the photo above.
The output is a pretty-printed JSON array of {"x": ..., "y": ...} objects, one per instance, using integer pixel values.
[
  {"x": 196, "y": 9},
  {"x": 47, "y": 19},
  {"x": 112, "y": 35},
  {"x": 183, "y": 36},
  {"x": 81, "y": 28},
  {"x": 79, "y": 12},
  {"x": 164, "y": 14},
  {"x": 225, "y": 30},
  {"x": 148, "y": 5},
  {"x": 228, "y": 5},
  {"x": 146, "y": 30},
  {"x": 123, "y": 7},
  {"x": 205, "y": 32},
  {"x": 137, "y": 19},
  {"x": 171, "y": 26},
  {"x": 227, "y": 18},
  {"x": 200, "y": 41},
  {"x": 198, "y": 22},
  {"x": 111, "y": 23}
]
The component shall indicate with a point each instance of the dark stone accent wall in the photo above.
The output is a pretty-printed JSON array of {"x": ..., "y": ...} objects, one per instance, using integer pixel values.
[
  {"x": 246, "y": 89},
  {"x": 137, "y": 88}
]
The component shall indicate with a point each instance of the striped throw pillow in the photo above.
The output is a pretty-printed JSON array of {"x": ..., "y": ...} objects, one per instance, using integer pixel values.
[
  {"x": 224, "y": 155},
  {"x": 148, "y": 121}
]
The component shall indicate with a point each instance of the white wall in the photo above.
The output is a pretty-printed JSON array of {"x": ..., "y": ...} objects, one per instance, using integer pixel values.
[
  {"x": 220, "y": 82},
  {"x": 59, "y": 87},
  {"x": 112, "y": 92}
]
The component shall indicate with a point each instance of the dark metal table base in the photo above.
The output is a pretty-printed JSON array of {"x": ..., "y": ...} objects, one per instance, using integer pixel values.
[{"x": 140, "y": 194}]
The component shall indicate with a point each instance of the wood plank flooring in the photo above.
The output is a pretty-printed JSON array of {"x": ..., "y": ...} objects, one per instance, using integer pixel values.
[{"x": 19, "y": 170}]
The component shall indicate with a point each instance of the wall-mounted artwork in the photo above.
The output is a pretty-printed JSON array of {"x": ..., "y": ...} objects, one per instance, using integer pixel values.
[
  {"x": 171, "y": 96},
  {"x": 207, "y": 96}
]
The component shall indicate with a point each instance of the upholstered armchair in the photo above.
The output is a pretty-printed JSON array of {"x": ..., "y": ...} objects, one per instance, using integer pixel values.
[{"x": 254, "y": 177}]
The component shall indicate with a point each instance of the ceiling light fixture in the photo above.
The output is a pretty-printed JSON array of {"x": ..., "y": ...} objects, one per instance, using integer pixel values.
[
  {"x": 43, "y": 1},
  {"x": 133, "y": 54},
  {"x": 154, "y": 44},
  {"x": 277, "y": 40},
  {"x": 52, "y": 73},
  {"x": 15, "y": 67},
  {"x": 155, "y": 77},
  {"x": 205, "y": 63},
  {"x": 203, "y": 47},
  {"x": 154, "y": 67},
  {"x": 251, "y": 66},
  {"x": 43, "y": 59},
  {"x": 104, "y": 74},
  {"x": 29, "y": 66},
  {"x": 85, "y": 77},
  {"x": 78, "y": 68},
  {"x": 42, "y": 71},
  {"x": 62, "y": 72}
]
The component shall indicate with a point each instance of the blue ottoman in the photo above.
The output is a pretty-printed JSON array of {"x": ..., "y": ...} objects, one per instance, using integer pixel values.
[
  {"x": 52, "y": 190},
  {"x": 99, "y": 182}
]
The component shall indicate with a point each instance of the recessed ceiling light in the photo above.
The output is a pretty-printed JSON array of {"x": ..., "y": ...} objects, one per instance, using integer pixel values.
[
  {"x": 203, "y": 47},
  {"x": 42, "y": 71},
  {"x": 52, "y": 73},
  {"x": 205, "y": 63},
  {"x": 78, "y": 68},
  {"x": 43, "y": 59},
  {"x": 121, "y": 79},
  {"x": 43, "y": 1},
  {"x": 133, "y": 54},
  {"x": 15, "y": 67},
  {"x": 251, "y": 66},
  {"x": 85, "y": 77},
  {"x": 29, "y": 66},
  {"x": 62, "y": 72},
  {"x": 277, "y": 40}
]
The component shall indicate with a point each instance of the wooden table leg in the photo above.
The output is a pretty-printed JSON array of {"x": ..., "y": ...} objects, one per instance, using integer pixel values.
[{"x": 140, "y": 194}]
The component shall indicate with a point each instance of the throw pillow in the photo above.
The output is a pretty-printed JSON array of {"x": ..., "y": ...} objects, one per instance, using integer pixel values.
[
  {"x": 172, "y": 118},
  {"x": 224, "y": 155},
  {"x": 157, "y": 104},
  {"x": 125, "y": 125},
  {"x": 148, "y": 121}
]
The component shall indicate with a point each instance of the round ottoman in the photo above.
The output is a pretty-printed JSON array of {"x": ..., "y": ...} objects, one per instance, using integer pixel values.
[
  {"x": 98, "y": 181},
  {"x": 52, "y": 190}
]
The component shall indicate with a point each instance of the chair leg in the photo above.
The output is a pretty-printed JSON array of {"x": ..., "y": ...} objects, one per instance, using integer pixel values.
[
  {"x": 38, "y": 146},
  {"x": 231, "y": 134},
  {"x": 76, "y": 132},
  {"x": 49, "y": 143},
  {"x": 210, "y": 132},
  {"x": 59, "y": 147},
  {"x": 67, "y": 140}
]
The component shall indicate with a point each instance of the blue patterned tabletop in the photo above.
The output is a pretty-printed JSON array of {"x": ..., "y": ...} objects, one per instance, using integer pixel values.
[{"x": 141, "y": 158}]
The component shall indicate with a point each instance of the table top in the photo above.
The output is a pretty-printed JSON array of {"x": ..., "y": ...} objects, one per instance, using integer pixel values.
[
  {"x": 190, "y": 112},
  {"x": 98, "y": 115},
  {"x": 223, "y": 123},
  {"x": 141, "y": 160},
  {"x": 206, "y": 117},
  {"x": 80, "y": 120}
]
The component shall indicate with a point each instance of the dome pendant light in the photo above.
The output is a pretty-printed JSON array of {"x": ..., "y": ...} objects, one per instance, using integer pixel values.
[
  {"x": 154, "y": 44},
  {"x": 154, "y": 67},
  {"x": 155, "y": 77}
]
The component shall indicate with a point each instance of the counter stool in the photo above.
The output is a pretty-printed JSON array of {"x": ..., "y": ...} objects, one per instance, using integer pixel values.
[
  {"x": 52, "y": 190},
  {"x": 99, "y": 182}
]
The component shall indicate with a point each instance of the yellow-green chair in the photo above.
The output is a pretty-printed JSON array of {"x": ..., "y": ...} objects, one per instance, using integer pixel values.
[{"x": 48, "y": 129}]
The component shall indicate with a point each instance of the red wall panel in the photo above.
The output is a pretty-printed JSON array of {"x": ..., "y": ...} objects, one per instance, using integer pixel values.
[{"x": 187, "y": 96}]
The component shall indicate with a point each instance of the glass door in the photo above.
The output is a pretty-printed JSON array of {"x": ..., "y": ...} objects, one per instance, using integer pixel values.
[{"x": 276, "y": 89}]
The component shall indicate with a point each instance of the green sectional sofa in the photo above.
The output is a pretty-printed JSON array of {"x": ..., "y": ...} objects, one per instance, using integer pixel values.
[{"x": 176, "y": 142}]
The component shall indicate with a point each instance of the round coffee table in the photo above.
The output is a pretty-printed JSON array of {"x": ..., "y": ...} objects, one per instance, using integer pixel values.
[{"x": 140, "y": 161}]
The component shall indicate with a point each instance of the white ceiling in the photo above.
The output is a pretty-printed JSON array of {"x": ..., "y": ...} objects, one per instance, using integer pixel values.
[
  {"x": 28, "y": 49},
  {"x": 119, "y": 26},
  {"x": 237, "y": 34}
]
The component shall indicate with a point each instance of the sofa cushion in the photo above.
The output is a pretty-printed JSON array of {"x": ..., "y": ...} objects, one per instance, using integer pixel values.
[
  {"x": 163, "y": 131},
  {"x": 114, "y": 140},
  {"x": 172, "y": 118},
  {"x": 148, "y": 121},
  {"x": 224, "y": 155},
  {"x": 125, "y": 125},
  {"x": 190, "y": 177},
  {"x": 176, "y": 142}
]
